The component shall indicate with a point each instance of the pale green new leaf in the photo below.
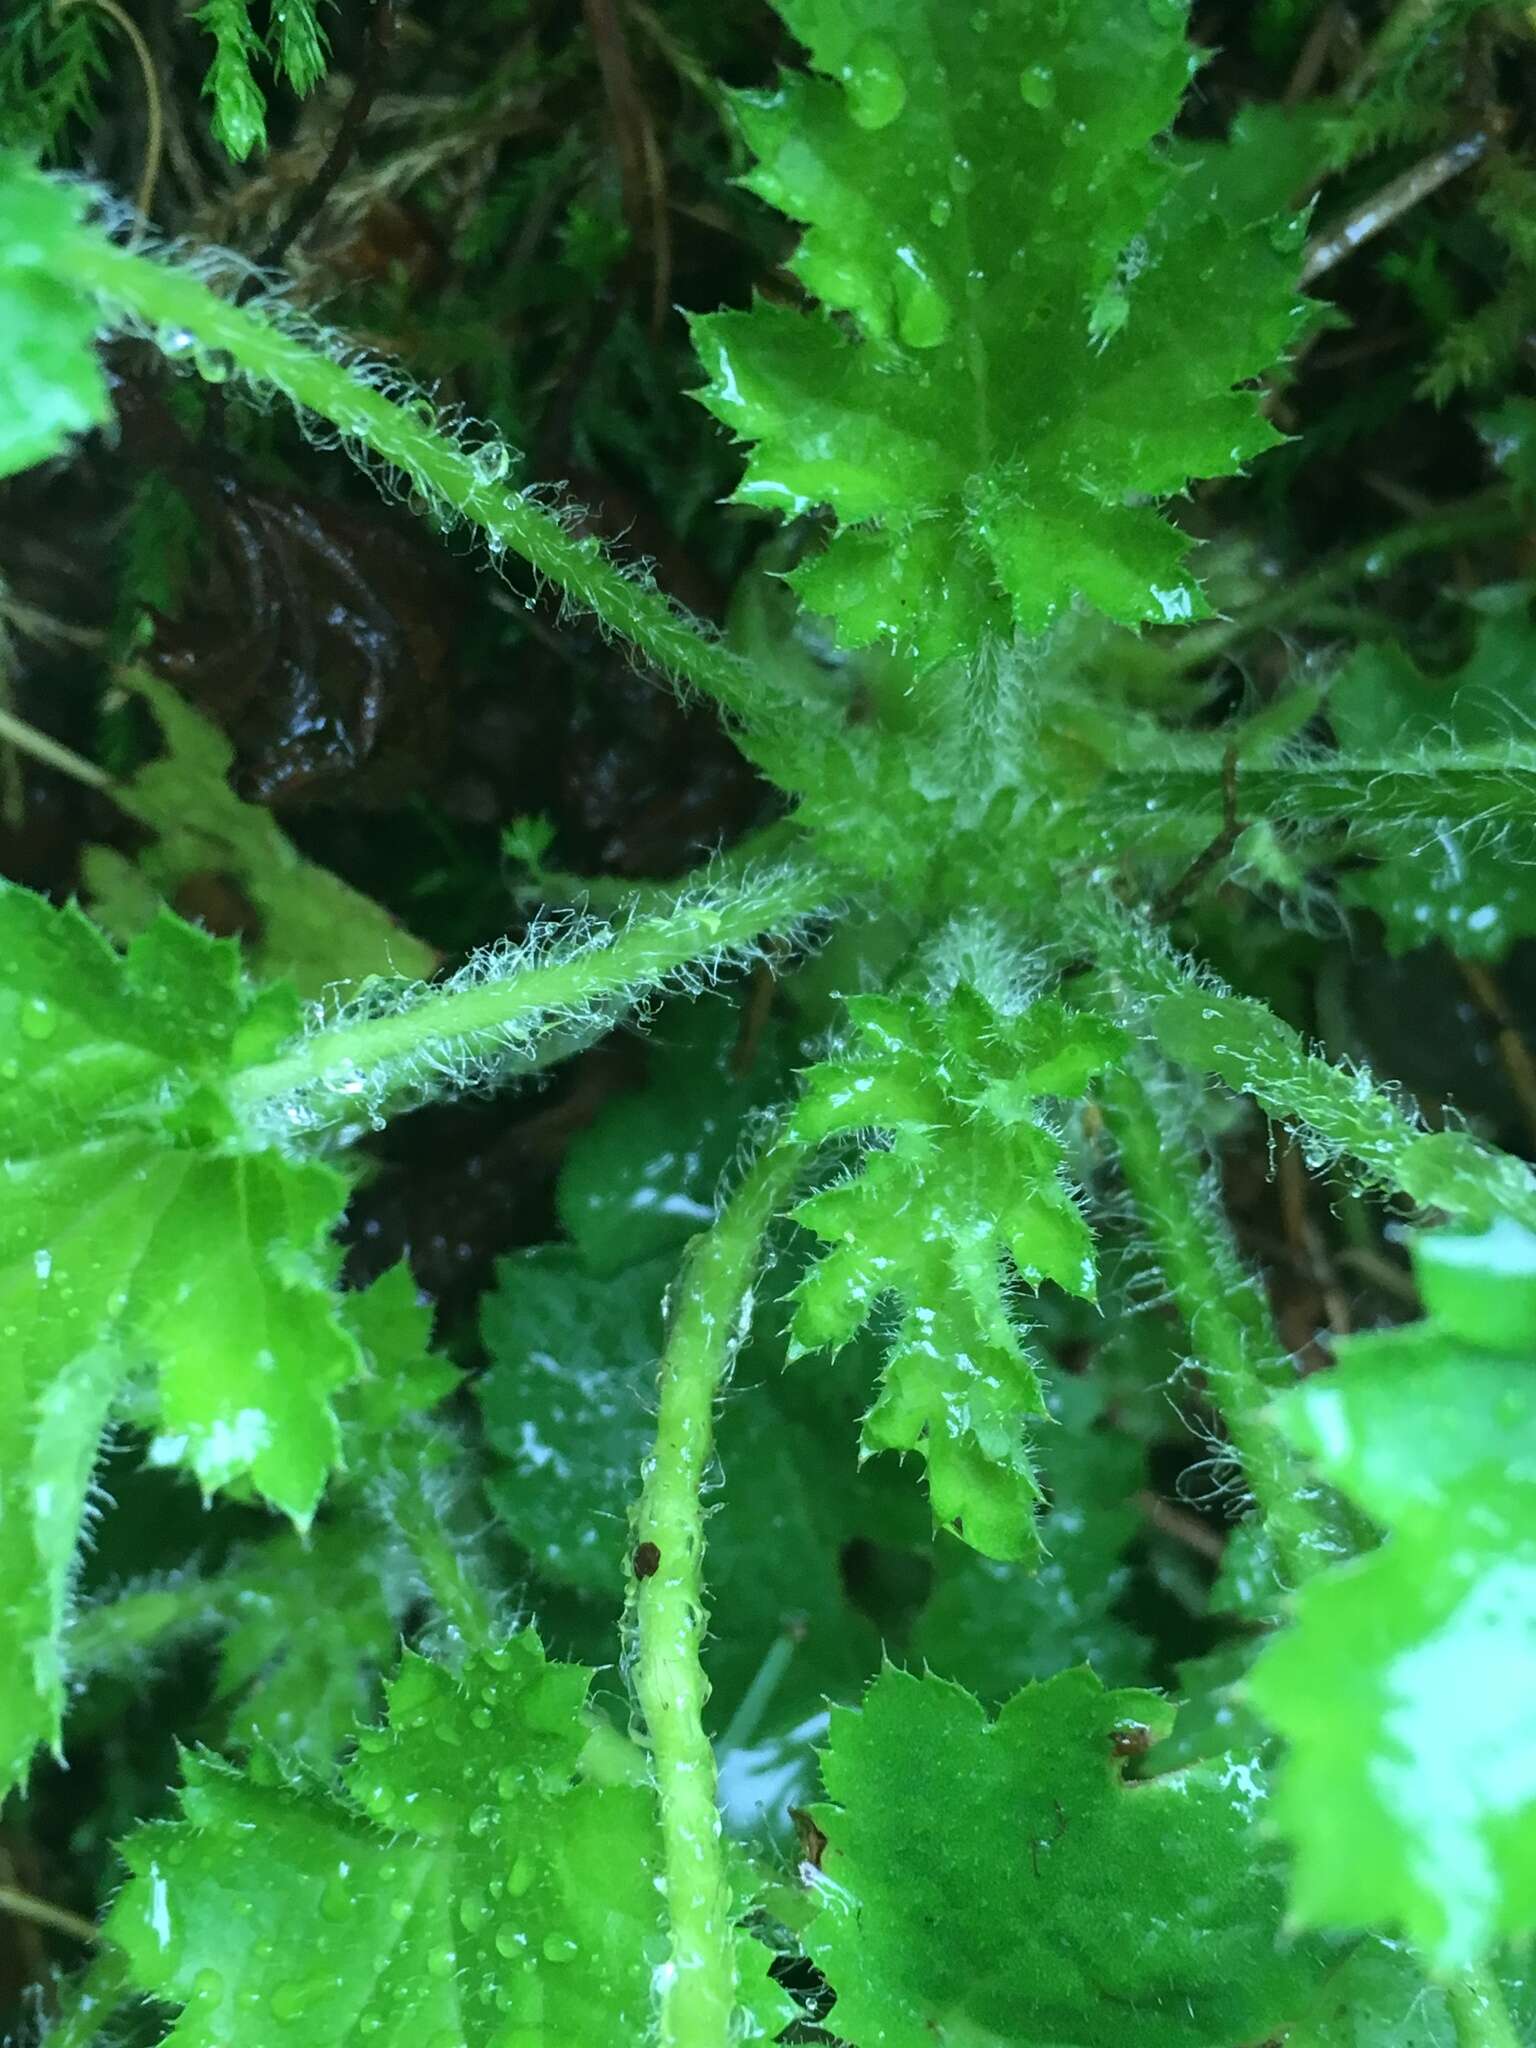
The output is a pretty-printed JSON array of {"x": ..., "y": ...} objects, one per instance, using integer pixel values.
[
  {"x": 1033, "y": 314},
  {"x": 314, "y": 930},
  {"x": 135, "y": 1233},
  {"x": 996, "y": 1881},
  {"x": 1403, "y": 1685},
  {"x": 968, "y": 1173},
  {"x": 51, "y": 384},
  {"x": 471, "y": 1887}
]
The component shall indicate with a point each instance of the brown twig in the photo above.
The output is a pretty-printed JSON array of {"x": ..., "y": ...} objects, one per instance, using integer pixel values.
[
  {"x": 1514, "y": 1054},
  {"x": 642, "y": 169},
  {"x": 1232, "y": 830},
  {"x": 1182, "y": 1526},
  {"x": 1372, "y": 215},
  {"x": 43, "y": 1914},
  {"x": 344, "y": 143}
]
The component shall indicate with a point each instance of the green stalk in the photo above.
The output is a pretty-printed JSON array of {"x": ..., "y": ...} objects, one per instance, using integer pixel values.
[
  {"x": 453, "y": 1024},
  {"x": 1395, "y": 801},
  {"x": 1479, "y": 2012},
  {"x": 713, "y": 1307},
  {"x": 1200, "y": 1025},
  {"x": 1489, "y": 516},
  {"x": 462, "y": 482},
  {"x": 1225, "y": 1312}
]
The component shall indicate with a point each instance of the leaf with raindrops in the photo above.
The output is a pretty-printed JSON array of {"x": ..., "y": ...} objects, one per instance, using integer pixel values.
[
  {"x": 1002, "y": 375},
  {"x": 475, "y": 1884},
  {"x": 999, "y": 1880},
  {"x": 1403, "y": 1684},
  {"x": 134, "y": 1233},
  {"x": 966, "y": 1170}
]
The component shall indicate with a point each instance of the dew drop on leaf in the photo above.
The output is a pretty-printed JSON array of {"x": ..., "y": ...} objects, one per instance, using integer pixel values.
[
  {"x": 877, "y": 91},
  {"x": 39, "y": 1020},
  {"x": 1037, "y": 87}
]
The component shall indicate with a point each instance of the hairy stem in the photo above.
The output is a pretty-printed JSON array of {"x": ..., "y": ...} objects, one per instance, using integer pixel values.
[
  {"x": 712, "y": 1309},
  {"x": 1488, "y": 516},
  {"x": 1201, "y": 1025},
  {"x": 449, "y": 1025},
  {"x": 1224, "y": 1309},
  {"x": 461, "y": 481},
  {"x": 1393, "y": 803},
  {"x": 1479, "y": 2012}
]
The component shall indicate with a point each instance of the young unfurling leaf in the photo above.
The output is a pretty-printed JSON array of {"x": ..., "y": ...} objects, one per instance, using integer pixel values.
[
  {"x": 968, "y": 1172},
  {"x": 1018, "y": 257}
]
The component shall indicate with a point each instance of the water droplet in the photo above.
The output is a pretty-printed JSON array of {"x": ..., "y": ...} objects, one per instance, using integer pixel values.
[
  {"x": 559, "y": 1948},
  {"x": 940, "y": 211},
  {"x": 923, "y": 313},
  {"x": 292, "y": 2000},
  {"x": 474, "y": 1911},
  {"x": 213, "y": 365},
  {"x": 877, "y": 91},
  {"x": 962, "y": 174},
  {"x": 491, "y": 462},
  {"x": 481, "y": 1717},
  {"x": 176, "y": 342},
  {"x": 483, "y": 1819},
  {"x": 335, "y": 1900},
  {"x": 520, "y": 1876},
  {"x": 207, "y": 1987},
  {"x": 39, "y": 1019},
  {"x": 1037, "y": 86},
  {"x": 441, "y": 1961},
  {"x": 510, "y": 1940}
]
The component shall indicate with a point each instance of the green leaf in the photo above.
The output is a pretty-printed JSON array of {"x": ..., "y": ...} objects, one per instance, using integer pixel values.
[
  {"x": 302, "y": 48},
  {"x": 471, "y": 1887},
  {"x": 1378, "y": 1998},
  {"x": 133, "y": 1233},
  {"x": 996, "y": 1880},
  {"x": 994, "y": 1626},
  {"x": 1403, "y": 1684},
  {"x": 1481, "y": 1285},
  {"x": 643, "y": 1177},
  {"x": 987, "y": 202},
  {"x": 969, "y": 1172},
  {"x": 239, "y": 109},
  {"x": 314, "y": 930},
  {"x": 313, "y": 1623},
  {"x": 51, "y": 384},
  {"x": 401, "y": 1375}
]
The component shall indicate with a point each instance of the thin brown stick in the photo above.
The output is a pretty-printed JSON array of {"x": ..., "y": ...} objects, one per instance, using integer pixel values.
[
  {"x": 154, "y": 117},
  {"x": 1514, "y": 1054},
  {"x": 1182, "y": 1526},
  {"x": 43, "y": 1914},
  {"x": 1372, "y": 215}
]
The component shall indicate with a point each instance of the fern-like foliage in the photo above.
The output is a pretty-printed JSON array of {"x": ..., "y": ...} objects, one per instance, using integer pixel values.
[
  {"x": 970, "y": 1170},
  {"x": 1003, "y": 369},
  {"x": 50, "y": 61}
]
